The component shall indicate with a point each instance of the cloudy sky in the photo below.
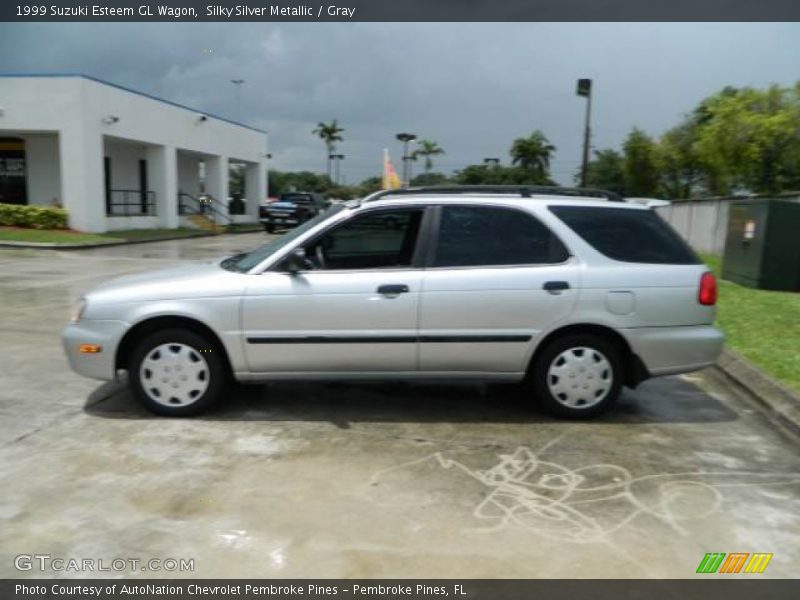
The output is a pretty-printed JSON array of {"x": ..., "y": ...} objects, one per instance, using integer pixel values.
[{"x": 471, "y": 87}]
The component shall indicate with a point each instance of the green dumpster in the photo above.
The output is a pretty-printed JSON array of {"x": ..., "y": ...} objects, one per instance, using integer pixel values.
[{"x": 762, "y": 246}]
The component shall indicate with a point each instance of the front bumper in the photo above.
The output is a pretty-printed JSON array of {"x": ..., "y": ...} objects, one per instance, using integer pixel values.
[
  {"x": 107, "y": 334},
  {"x": 280, "y": 220},
  {"x": 670, "y": 350}
]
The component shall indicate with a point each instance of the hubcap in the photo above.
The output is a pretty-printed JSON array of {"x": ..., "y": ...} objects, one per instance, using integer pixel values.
[
  {"x": 580, "y": 377},
  {"x": 174, "y": 375}
]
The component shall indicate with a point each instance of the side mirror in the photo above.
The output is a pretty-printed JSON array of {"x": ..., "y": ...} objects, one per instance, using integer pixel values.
[{"x": 296, "y": 261}]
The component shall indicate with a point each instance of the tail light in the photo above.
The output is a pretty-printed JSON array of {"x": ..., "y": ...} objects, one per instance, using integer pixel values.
[{"x": 707, "y": 293}]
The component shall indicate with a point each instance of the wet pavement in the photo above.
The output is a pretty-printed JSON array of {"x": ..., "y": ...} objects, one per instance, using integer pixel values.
[{"x": 368, "y": 480}]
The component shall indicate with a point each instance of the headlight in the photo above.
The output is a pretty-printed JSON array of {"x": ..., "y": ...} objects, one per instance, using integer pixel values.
[{"x": 77, "y": 310}]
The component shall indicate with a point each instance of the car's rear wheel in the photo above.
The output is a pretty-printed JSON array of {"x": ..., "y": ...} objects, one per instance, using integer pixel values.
[
  {"x": 269, "y": 228},
  {"x": 578, "y": 376},
  {"x": 176, "y": 373}
]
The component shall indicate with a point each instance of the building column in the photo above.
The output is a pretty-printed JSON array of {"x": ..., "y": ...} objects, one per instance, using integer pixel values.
[
  {"x": 217, "y": 180},
  {"x": 162, "y": 163},
  {"x": 80, "y": 153},
  {"x": 255, "y": 188}
]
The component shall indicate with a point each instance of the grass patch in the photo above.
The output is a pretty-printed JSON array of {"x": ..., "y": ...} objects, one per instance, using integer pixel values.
[
  {"x": 761, "y": 325},
  {"x": 66, "y": 236},
  {"x": 244, "y": 228},
  {"x": 63, "y": 236}
]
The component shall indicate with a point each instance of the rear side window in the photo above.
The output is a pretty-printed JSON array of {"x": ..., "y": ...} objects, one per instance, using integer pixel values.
[
  {"x": 627, "y": 235},
  {"x": 471, "y": 236}
]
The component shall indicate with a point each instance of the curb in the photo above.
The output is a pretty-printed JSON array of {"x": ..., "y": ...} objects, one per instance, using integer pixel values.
[
  {"x": 781, "y": 403},
  {"x": 68, "y": 246}
]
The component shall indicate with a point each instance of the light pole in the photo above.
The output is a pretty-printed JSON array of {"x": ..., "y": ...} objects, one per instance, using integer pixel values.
[
  {"x": 585, "y": 90},
  {"x": 406, "y": 138},
  {"x": 238, "y": 83},
  {"x": 492, "y": 163}
]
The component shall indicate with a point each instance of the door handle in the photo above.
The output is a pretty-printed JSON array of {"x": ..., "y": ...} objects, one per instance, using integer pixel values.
[
  {"x": 554, "y": 287},
  {"x": 392, "y": 289}
]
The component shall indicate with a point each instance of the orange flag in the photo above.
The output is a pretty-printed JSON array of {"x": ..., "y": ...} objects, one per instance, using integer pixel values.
[{"x": 390, "y": 179}]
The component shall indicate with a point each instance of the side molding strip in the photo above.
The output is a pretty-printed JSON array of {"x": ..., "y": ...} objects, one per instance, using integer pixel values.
[{"x": 391, "y": 339}]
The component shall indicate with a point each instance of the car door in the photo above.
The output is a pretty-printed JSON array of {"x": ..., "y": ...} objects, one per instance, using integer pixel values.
[
  {"x": 496, "y": 278},
  {"x": 353, "y": 309}
]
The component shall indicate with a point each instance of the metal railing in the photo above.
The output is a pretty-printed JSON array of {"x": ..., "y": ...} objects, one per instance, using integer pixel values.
[
  {"x": 205, "y": 205},
  {"x": 130, "y": 203}
]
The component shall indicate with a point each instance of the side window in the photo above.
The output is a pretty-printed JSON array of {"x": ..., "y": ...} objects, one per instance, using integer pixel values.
[
  {"x": 627, "y": 234},
  {"x": 384, "y": 239},
  {"x": 486, "y": 235}
]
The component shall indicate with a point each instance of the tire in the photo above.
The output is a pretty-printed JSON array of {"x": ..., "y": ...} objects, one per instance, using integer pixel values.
[
  {"x": 189, "y": 380},
  {"x": 591, "y": 381},
  {"x": 269, "y": 228}
]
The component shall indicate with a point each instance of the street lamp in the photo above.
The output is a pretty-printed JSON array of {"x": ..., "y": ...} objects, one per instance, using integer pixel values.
[
  {"x": 406, "y": 138},
  {"x": 238, "y": 83},
  {"x": 491, "y": 161},
  {"x": 585, "y": 90}
]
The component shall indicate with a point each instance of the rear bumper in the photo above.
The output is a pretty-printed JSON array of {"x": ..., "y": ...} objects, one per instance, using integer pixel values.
[
  {"x": 107, "y": 334},
  {"x": 670, "y": 350}
]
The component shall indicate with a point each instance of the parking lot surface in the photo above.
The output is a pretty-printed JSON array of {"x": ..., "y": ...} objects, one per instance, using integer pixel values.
[{"x": 368, "y": 480}]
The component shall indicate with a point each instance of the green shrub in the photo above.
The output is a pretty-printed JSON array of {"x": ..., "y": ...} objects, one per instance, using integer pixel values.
[{"x": 38, "y": 217}]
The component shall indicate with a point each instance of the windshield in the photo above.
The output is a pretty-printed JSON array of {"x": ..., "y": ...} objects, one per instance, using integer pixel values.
[
  {"x": 295, "y": 198},
  {"x": 242, "y": 263}
]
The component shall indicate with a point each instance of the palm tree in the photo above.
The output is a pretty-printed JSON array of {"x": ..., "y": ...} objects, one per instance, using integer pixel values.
[
  {"x": 329, "y": 134},
  {"x": 427, "y": 148},
  {"x": 533, "y": 154}
]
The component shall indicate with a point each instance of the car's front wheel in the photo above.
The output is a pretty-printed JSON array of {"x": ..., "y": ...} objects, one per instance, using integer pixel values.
[
  {"x": 578, "y": 376},
  {"x": 269, "y": 228},
  {"x": 176, "y": 373}
]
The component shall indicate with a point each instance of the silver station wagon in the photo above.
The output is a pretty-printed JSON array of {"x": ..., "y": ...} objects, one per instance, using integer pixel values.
[{"x": 570, "y": 294}]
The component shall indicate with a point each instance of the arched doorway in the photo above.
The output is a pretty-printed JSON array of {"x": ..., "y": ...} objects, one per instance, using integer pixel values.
[{"x": 13, "y": 188}]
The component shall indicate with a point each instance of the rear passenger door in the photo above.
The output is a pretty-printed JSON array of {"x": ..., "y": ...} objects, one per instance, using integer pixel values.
[{"x": 496, "y": 277}]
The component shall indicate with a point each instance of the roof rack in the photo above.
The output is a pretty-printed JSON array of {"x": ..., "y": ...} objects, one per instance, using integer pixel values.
[{"x": 524, "y": 191}]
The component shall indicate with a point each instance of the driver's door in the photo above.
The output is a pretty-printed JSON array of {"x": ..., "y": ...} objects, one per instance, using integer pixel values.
[{"x": 352, "y": 310}]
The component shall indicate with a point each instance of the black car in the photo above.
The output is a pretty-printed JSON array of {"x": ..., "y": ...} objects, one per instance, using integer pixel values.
[{"x": 291, "y": 209}]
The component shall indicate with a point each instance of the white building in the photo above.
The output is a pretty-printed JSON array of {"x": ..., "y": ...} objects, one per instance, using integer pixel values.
[{"x": 115, "y": 158}]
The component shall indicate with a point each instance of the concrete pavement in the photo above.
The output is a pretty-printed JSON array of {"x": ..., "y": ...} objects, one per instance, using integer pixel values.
[{"x": 369, "y": 480}]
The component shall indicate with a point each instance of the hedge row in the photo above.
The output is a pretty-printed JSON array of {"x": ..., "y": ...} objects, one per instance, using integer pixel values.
[{"x": 38, "y": 217}]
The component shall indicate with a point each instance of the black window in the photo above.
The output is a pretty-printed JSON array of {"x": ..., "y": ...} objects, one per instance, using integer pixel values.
[
  {"x": 384, "y": 239},
  {"x": 627, "y": 235},
  {"x": 295, "y": 197},
  {"x": 485, "y": 235}
]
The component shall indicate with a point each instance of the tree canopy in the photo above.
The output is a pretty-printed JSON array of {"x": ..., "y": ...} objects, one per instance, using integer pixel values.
[
  {"x": 737, "y": 140},
  {"x": 427, "y": 149}
]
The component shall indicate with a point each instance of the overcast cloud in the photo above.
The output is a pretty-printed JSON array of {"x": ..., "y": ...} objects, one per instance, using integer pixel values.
[{"x": 471, "y": 87}]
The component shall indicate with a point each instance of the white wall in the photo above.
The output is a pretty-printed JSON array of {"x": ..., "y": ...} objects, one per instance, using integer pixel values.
[
  {"x": 119, "y": 223},
  {"x": 75, "y": 108},
  {"x": 156, "y": 122},
  {"x": 704, "y": 223},
  {"x": 43, "y": 170}
]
